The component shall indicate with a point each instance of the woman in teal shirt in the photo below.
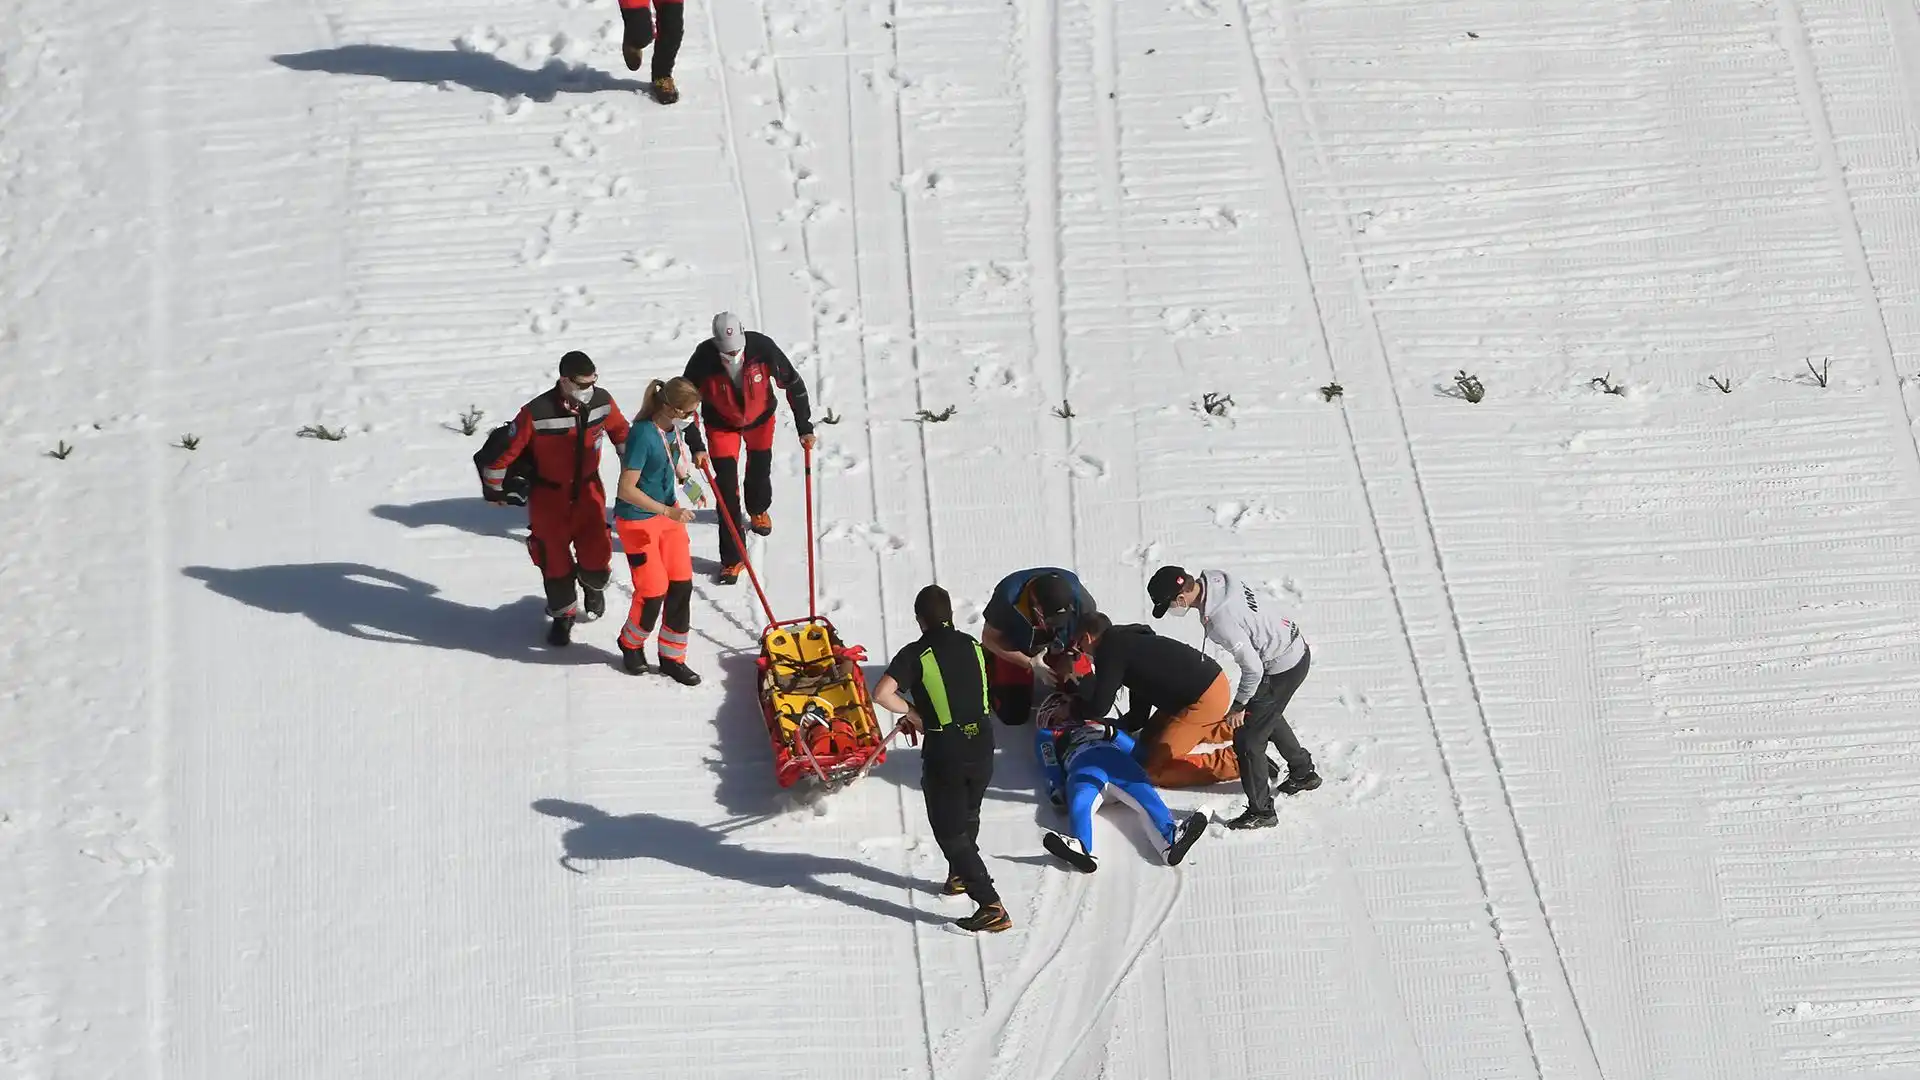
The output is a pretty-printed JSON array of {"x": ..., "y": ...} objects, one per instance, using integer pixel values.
[{"x": 652, "y": 526}]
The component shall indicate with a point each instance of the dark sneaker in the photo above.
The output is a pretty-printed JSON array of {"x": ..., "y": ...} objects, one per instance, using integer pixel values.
[
  {"x": 1254, "y": 819},
  {"x": 560, "y": 634},
  {"x": 954, "y": 886},
  {"x": 991, "y": 919},
  {"x": 633, "y": 661},
  {"x": 1293, "y": 785},
  {"x": 679, "y": 672},
  {"x": 596, "y": 602},
  {"x": 1189, "y": 834}
]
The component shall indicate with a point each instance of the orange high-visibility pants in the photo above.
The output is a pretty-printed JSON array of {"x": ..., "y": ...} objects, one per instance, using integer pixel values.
[
  {"x": 662, "y": 565},
  {"x": 1170, "y": 760}
]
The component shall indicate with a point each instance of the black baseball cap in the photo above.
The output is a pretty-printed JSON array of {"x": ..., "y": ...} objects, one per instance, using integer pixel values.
[
  {"x": 1052, "y": 599},
  {"x": 1167, "y": 583}
]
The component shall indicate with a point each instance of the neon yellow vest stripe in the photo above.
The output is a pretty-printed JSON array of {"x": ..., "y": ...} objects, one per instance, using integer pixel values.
[{"x": 935, "y": 686}]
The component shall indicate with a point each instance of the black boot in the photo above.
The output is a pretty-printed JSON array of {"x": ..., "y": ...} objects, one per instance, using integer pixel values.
[
  {"x": 596, "y": 602},
  {"x": 560, "y": 634},
  {"x": 679, "y": 672},
  {"x": 1295, "y": 784},
  {"x": 1254, "y": 819},
  {"x": 633, "y": 661},
  {"x": 991, "y": 919}
]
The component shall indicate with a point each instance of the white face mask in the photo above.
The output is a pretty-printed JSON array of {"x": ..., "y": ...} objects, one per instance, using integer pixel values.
[
  {"x": 580, "y": 394},
  {"x": 681, "y": 423},
  {"x": 1179, "y": 609}
]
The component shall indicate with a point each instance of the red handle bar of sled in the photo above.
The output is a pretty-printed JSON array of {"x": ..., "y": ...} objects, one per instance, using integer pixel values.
[{"x": 733, "y": 528}]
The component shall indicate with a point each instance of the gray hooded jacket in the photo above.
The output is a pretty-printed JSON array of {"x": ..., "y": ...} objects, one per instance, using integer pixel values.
[{"x": 1261, "y": 642}]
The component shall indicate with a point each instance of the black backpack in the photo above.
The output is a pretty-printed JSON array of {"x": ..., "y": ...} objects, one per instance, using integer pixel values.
[{"x": 519, "y": 480}]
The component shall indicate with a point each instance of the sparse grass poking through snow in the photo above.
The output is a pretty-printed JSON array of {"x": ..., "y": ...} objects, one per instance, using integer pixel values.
[
  {"x": 1469, "y": 387},
  {"x": 1725, "y": 386},
  {"x": 1064, "y": 410},
  {"x": 1332, "y": 390},
  {"x": 60, "y": 452},
  {"x": 1606, "y": 385},
  {"x": 470, "y": 420},
  {"x": 1820, "y": 373},
  {"x": 927, "y": 416},
  {"x": 830, "y": 417},
  {"x": 188, "y": 442},
  {"x": 1215, "y": 404},
  {"x": 321, "y": 431}
]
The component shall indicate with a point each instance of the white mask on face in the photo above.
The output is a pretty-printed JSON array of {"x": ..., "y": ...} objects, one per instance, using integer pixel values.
[
  {"x": 581, "y": 394},
  {"x": 1180, "y": 609},
  {"x": 681, "y": 423}
]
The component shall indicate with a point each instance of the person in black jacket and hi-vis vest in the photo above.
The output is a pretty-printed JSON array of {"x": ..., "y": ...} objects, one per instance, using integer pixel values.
[{"x": 945, "y": 674}]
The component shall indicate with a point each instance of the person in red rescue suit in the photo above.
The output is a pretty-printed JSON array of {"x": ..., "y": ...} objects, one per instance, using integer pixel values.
[
  {"x": 567, "y": 509},
  {"x": 737, "y": 371},
  {"x": 637, "y": 16}
]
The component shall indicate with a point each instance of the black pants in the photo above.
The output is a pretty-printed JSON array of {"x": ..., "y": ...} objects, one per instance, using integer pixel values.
[
  {"x": 954, "y": 784},
  {"x": 726, "y": 476},
  {"x": 1266, "y": 724},
  {"x": 666, "y": 42}
]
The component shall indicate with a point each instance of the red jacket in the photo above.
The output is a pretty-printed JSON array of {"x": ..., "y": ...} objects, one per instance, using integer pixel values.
[
  {"x": 725, "y": 406},
  {"x": 564, "y": 437}
]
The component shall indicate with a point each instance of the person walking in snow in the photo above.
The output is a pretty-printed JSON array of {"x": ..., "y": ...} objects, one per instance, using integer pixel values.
[
  {"x": 1082, "y": 764},
  {"x": 638, "y": 26},
  {"x": 736, "y": 372},
  {"x": 1031, "y": 620},
  {"x": 653, "y": 530},
  {"x": 1273, "y": 659},
  {"x": 944, "y": 672},
  {"x": 567, "y": 508},
  {"x": 1178, "y": 696}
]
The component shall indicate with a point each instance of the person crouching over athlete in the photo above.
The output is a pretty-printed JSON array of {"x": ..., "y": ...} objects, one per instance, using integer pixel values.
[
  {"x": 945, "y": 673},
  {"x": 1184, "y": 690},
  {"x": 1083, "y": 762},
  {"x": 653, "y": 530},
  {"x": 567, "y": 508},
  {"x": 1031, "y": 619}
]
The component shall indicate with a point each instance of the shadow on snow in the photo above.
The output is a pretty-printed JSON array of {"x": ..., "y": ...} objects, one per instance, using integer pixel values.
[
  {"x": 475, "y": 71},
  {"x": 380, "y": 605},
  {"x": 598, "y": 836}
]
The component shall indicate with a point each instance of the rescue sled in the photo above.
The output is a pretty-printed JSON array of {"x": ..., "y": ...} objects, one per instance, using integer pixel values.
[
  {"x": 813, "y": 693},
  {"x": 815, "y": 700}
]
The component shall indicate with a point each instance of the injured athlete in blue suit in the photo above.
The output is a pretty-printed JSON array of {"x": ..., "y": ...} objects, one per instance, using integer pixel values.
[{"x": 1082, "y": 762}]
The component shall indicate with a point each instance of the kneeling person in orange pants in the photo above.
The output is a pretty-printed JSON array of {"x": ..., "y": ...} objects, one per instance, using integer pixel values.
[
  {"x": 653, "y": 530},
  {"x": 1185, "y": 691}
]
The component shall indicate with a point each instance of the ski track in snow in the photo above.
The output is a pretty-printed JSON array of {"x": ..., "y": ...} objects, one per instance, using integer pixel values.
[{"x": 1613, "y": 694}]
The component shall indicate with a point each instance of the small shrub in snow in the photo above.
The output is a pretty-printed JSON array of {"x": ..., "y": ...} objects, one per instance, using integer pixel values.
[
  {"x": 470, "y": 420},
  {"x": 830, "y": 417},
  {"x": 1469, "y": 386},
  {"x": 1332, "y": 390},
  {"x": 1216, "y": 404},
  {"x": 1064, "y": 410},
  {"x": 1606, "y": 385},
  {"x": 188, "y": 442},
  {"x": 929, "y": 417},
  {"x": 321, "y": 431},
  {"x": 1725, "y": 386},
  {"x": 61, "y": 451},
  {"x": 1820, "y": 373}
]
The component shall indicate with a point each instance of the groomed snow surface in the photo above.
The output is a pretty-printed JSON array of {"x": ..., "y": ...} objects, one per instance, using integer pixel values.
[{"x": 1617, "y": 696}]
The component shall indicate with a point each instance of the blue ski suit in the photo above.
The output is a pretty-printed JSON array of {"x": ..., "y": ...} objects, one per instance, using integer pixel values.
[{"x": 1081, "y": 762}]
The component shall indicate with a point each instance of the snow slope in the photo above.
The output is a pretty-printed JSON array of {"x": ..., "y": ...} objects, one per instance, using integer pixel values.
[{"x": 1615, "y": 695}]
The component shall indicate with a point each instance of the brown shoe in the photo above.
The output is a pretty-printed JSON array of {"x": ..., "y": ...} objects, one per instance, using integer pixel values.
[
  {"x": 664, "y": 91},
  {"x": 761, "y": 523},
  {"x": 632, "y": 54},
  {"x": 991, "y": 919}
]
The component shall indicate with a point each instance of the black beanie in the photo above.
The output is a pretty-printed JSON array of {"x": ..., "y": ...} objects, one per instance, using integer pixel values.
[{"x": 575, "y": 364}]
